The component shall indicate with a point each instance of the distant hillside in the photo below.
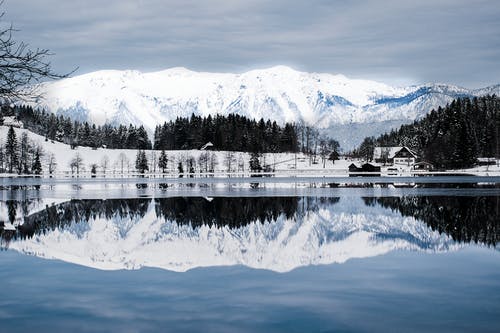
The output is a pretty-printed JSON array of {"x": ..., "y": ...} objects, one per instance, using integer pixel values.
[{"x": 450, "y": 137}]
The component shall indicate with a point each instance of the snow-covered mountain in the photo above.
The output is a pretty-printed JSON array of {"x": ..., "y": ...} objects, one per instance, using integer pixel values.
[
  {"x": 332, "y": 102},
  {"x": 331, "y": 234}
]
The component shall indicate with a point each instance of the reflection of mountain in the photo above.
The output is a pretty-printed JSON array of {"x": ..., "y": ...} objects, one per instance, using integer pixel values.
[
  {"x": 465, "y": 219},
  {"x": 119, "y": 234}
]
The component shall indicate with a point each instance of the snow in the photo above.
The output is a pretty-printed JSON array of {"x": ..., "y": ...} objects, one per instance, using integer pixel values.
[
  {"x": 284, "y": 164},
  {"x": 64, "y": 154},
  {"x": 333, "y": 234},
  {"x": 278, "y": 93}
]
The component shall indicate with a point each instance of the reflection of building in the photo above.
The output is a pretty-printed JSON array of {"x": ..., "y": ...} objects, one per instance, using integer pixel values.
[
  {"x": 394, "y": 155},
  {"x": 12, "y": 121}
]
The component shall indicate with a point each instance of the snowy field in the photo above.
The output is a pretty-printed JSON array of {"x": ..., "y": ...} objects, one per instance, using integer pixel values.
[{"x": 121, "y": 162}]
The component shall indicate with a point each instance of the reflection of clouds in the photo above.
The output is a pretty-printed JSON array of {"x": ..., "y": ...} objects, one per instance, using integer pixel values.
[
  {"x": 394, "y": 41},
  {"x": 332, "y": 234}
]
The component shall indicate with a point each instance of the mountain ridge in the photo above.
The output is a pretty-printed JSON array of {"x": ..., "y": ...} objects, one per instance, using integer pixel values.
[{"x": 278, "y": 93}]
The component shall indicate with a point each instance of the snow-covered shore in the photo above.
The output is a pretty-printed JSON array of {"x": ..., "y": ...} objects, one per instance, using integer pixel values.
[{"x": 121, "y": 162}]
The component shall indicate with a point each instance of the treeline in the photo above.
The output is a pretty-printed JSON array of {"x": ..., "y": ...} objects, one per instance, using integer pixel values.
[
  {"x": 465, "y": 219},
  {"x": 450, "y": 137},
  {"x": 219, "y": 212},
  {"x": 64, "y": 214},
  {"x": 20, "y": 156},
  {"x": 75, "y": 133},
  {"x": 231, "y": 133},
  {"x": 231, "y": 212}
]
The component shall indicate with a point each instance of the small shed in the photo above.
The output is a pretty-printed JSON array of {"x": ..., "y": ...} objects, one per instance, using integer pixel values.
[
  {"x": 353, "y": 167},
  {"x": 366, "y": 170}
]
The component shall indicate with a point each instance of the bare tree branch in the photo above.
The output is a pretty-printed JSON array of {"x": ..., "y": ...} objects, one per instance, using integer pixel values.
[{"x": 21, "y": 68}]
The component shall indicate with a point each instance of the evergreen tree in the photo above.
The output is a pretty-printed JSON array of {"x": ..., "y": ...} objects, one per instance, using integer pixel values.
[
  {"x": 93, "y": 169},
  {"x": 191, "y": 167},
  {"x": 255, "y": 163},
  {"x": 141, "y": 162},
  {"x": 24, "y": 147},
  {"x": 37, "y": 165},
  {"x": 180, "y": 169},
  {"x": 334, "y": 155},
  {"x": 2, "y": 159},
  {"x": 163, "y": 161},
  {"x": 11, "y": 150}
]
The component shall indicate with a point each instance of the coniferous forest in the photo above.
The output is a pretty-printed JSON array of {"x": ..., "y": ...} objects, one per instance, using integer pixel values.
[
  {"x": 232, "y": 132},
  {"x": 450, "y": 137},
  {"x": 75, "y": 133},
  {"x": 465, "y": 219}
]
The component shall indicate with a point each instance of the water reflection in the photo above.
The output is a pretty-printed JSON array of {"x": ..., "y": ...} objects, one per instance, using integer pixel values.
[
  {"x": 465, "y": 219},
  {"x": 276, "y": 233}
]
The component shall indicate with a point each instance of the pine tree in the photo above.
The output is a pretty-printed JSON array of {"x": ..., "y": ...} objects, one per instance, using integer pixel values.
[
  {"x": 191, "y": 167},
  {"x": 11, "y": 150},
  {"x": 2, "y": 158},
  {"x": 24, "y": 147},
  {"x": 141, "y": 162},
  {"x": 163, "y": 161},
  {"x": 255, "y": 163},
  {"x": 180, "y": 169},
  {"x": 37, "y": 165}
]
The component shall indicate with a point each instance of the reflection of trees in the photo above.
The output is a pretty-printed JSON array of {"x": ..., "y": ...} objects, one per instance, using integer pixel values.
[
  {"x": 75, "y": 211},
  {"x": 231, "y": 211},
  {"x": 465, "y": 219}
]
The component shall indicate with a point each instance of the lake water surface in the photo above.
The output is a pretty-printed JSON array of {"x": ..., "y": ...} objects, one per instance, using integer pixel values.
[{"x": 80, "y": 257}]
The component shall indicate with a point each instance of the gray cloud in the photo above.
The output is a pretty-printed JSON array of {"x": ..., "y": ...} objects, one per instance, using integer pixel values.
[{"x": 453, "y": 41}]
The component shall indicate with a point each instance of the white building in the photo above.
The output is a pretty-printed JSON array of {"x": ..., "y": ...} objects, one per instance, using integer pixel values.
[{"x": 394, "y": 155}]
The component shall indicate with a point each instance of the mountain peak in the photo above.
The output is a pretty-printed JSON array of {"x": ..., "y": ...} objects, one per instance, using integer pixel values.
[{"x": 279, "y": 93}]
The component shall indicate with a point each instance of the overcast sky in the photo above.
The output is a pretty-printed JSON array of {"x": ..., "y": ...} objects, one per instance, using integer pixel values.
[{"x": 395, "y": 41}]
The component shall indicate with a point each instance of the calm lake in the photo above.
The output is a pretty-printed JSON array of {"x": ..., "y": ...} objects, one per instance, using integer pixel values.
[{"x": 131, "y": 257}]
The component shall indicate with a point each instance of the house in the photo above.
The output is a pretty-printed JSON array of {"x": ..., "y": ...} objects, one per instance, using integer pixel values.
[
  {"x": 353, "y": 167},
  {"x": 394, "y": 155},
  {"x": 12, "y": 121},
  {"x": 366, "y": 170}
]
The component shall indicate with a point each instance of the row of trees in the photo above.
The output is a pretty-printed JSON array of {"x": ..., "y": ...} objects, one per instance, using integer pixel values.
[
  {"x": 232, "y": 133},
  {"x": 75, "y": 133},
  {"x": 466, "y": 219},
  {"x": 20, "y": 156},
  {"x": 231, "y": 212},
  {"x": 23, "y": 156},
  {"x": 450, "y": 137}
]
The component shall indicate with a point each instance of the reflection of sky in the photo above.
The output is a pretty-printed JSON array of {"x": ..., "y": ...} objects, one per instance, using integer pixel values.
[
  {"x": 458, "y": 291},
  {"x": 334, "y": 233}
]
